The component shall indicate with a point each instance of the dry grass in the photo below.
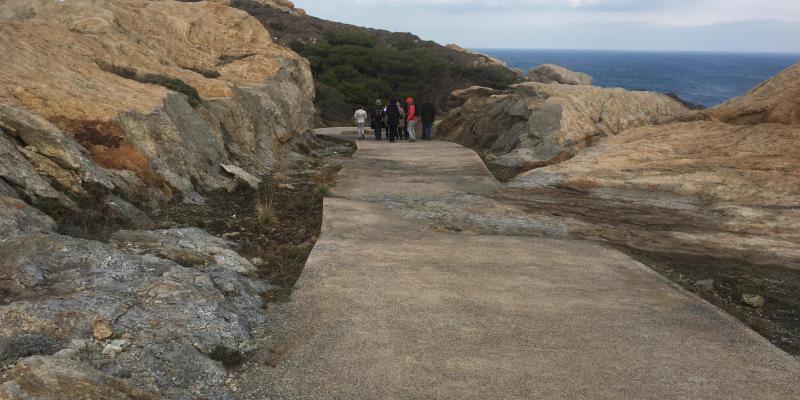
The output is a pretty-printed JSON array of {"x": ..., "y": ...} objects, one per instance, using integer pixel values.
[{"x": 265, "y": 210}]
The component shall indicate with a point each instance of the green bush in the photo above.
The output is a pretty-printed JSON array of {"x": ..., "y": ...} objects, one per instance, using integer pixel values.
[{"x": 350, "y": 69}]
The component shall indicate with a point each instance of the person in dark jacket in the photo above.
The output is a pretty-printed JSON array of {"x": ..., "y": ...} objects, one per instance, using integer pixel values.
[
  {"x": 428, "y": 114},
  {"x": 392, "y": 119},
  {"x": 377, "y": 119}
]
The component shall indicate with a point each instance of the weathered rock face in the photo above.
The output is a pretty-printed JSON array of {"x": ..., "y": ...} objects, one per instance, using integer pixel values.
[
  {"x": 121, "y": 105},
  {"x": 550, "y": 73},
  {"x": 536, "y": 124},
  {"x": 775, "y": 100},
  {"x": 170, "y": 317},
  {"x": 482, "y": 61},
  {"x": 704, "y": 188},
  {"x": 143, "y": 98}
]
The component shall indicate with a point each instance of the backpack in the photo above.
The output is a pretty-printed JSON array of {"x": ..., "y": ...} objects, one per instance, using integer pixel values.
[{"x": 379, "y": 114}]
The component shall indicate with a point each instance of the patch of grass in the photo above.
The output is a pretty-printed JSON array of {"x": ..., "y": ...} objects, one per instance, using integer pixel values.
[
  {"x": 229, "y": 358},
  {"x": 265, "y": 210},
  {"x": 227, "y": 59},
  {"x": 170, "y": 83},
  {"x": 208, "y": 73}
]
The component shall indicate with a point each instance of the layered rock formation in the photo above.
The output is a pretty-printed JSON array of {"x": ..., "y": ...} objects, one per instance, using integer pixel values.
[
  {"x": 775, "y": 100},
  {"x": 707, "y": 188},
  {"x": 121, "y": 106},
  {"x": 143, "y": 99},
  {"x": 550, "y": 73},
  {"x": 534, "y": 124}
]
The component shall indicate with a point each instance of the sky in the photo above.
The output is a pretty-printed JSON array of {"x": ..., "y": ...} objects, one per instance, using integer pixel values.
[{"x": 693, "y": 25}]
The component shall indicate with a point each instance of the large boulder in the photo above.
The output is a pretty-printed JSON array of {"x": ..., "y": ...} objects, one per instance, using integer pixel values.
[
  {"x": 775, "y": 100},
  {"x": 162, "y": 325},
  {"x": 551, "y": 73},
  {"x": 702, "y": 188},
  {"x": 535, "y": 124},
  {"x": 144, "y": 99}
]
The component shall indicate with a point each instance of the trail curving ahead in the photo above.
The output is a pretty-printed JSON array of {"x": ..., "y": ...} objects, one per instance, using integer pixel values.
[{"x": 394, "y": 305}]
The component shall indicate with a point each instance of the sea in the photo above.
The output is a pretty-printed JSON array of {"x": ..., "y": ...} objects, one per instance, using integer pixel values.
[{"x": 707, "y": 79}]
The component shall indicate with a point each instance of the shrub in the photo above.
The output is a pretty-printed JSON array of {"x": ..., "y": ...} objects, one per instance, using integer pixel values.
[{"x": 229, "y": 358}]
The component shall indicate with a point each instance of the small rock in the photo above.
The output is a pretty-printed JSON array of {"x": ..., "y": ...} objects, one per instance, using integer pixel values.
[
  {"x": 77, "y": 345},
  {"x": 705, "y": 285},
  {"x": 753, "y": 300},
  {"x": 66, "y": 353},
  {"x": 257, "y": 261},
  {"x": 101, "y": 329},
  {"x": 242, "y": 175},
  {"x": 287, "y": 186},
  {"x": 116, "y": 346},
  {"x": 231, "y": 235}
]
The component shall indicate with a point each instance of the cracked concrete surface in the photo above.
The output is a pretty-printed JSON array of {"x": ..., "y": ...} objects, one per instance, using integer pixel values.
[{"x": 396, "y": 305}]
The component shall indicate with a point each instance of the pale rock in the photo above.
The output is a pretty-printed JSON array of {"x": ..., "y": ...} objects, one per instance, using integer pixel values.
[
  {"x": 242, "y": 175},
  {"x": 550, "y": 73},
  {"x": 753, "y": 300},
  {"x": 535, "y": 124}
]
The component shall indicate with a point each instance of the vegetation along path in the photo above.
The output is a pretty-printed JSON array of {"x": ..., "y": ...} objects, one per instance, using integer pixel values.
[{"x": 395, "y": 304}]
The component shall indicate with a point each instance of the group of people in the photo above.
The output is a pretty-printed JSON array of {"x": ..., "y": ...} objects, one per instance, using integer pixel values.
[{"x": 397, "y": 120}]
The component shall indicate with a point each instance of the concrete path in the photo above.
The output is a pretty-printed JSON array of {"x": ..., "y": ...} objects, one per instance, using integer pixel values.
[{"x": 392, "y": 307}]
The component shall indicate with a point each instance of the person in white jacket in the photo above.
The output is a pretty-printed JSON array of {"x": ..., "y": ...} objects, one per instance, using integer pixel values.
[{"x": 361, "y": 119}]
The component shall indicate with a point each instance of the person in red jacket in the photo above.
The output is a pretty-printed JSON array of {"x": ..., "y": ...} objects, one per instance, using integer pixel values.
[{"x": 412, "y": 119}]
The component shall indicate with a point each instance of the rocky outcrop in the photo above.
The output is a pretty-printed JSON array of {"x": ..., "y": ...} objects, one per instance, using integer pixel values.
[
  {"x": 775, "y": 100},
  {"x": 484, "y": 60},
  {"x": 169, "y": 319},
  {"x": 704, "y": 188},
  {"x": 143, "y": 99},
  {"x": 701, "y": 188},
  {"x": 550, "y": 73},
  {"x": 536, "y": 124},
  {"x": 116, "y": 107}
]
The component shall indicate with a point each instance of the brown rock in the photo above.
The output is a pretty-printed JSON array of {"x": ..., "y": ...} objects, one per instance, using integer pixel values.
[
  {"x": 705, "y": 188},
  {"x": 138, "y": 94},
  {"x": 775, "y": 100},
  {"x": 101, "y": 329}
]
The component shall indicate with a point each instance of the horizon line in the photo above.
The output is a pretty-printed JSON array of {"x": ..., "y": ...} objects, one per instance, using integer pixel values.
[{"x": 772, "y": 52}]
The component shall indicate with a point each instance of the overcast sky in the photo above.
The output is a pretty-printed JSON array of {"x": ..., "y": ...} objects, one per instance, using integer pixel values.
[{"x": 723, "y": 25}]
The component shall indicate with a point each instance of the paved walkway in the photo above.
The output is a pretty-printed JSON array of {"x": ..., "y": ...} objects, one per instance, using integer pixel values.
[{"x": 392, "y": 307}]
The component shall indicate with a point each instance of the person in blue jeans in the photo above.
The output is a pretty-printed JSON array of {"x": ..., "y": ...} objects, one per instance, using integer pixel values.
[{"x": 428, "y": 116}]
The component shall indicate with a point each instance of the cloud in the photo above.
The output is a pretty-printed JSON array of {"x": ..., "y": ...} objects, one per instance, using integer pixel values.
[{"x": 480, "y": 22}]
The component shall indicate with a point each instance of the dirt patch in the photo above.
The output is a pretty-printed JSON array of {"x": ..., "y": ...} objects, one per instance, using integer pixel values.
[
  {"x": 778, "y": 320},
  {"x": 632, "y": 226},
  {"x": 106, "y": 143},
  {"x": 275, "y": 226}
]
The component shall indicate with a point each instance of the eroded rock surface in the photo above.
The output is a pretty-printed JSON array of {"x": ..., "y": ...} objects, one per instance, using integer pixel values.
[
  {"x": 110, "y": 109},
  {"x": 704, "y": 188},
  {"x": 536, "y": 124},
  {"x": 171, "y": 317},
  {"x": 550, "y": 73},
  {"x": 775, "y": 100},
  {"x": 144, "y": 99}
]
